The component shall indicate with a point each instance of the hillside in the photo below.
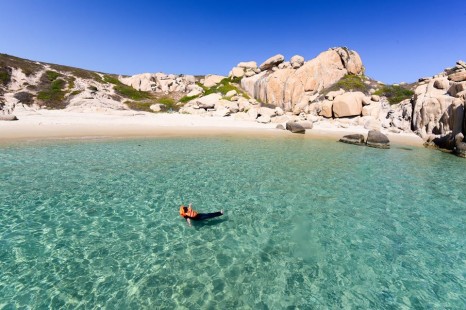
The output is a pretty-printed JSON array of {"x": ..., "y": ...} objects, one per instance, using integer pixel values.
[
  {"x": 331, "y": 88},
  {"x": 42, "y": 85}
]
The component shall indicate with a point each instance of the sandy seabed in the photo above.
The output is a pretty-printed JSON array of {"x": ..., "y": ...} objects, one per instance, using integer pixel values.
[{"x": 60, "y": 124}]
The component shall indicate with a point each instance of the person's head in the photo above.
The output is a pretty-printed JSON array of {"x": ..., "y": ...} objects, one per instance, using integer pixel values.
[{"x": 185, "y": 209}]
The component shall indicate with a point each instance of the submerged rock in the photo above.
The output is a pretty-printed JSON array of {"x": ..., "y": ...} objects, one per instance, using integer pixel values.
[
  {"x": 377, "y": 139},
  {"x": 356, "y": 139}
]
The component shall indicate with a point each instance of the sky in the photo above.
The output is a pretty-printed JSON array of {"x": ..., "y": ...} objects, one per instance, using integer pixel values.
[{"x": 398, "y": 41}]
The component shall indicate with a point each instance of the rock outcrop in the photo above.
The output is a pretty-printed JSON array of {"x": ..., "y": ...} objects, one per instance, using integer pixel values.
[
  {"x": 288, "y": 85},
  {"x": 438, "y": 104},
  {"x": 159, "y": 82}
]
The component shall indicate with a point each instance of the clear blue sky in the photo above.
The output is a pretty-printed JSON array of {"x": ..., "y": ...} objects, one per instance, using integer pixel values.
[{"x": 397, "y": 40}]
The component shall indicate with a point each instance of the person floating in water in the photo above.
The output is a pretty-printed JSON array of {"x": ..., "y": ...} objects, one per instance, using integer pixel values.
[{"x": 189, "y": 214}]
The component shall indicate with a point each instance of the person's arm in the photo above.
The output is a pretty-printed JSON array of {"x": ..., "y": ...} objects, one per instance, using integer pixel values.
[{"x": 188, "y": 220}]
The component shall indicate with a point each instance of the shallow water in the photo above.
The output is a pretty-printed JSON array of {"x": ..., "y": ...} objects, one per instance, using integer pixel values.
[{"x": 308, "y": 224}]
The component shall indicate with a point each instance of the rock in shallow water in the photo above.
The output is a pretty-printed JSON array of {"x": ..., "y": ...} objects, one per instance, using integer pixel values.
[
  {"x": 357, "y": 139},
  {"x": 377, "y": 139}
]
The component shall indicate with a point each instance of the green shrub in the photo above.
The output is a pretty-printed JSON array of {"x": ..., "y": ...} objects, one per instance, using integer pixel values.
[
  {"x": 112, "y": 80},
  {"x": 186, "y": 99},
  {"x": 236, "y": 80},
  {"x": 166, "y": 101},
  {"x": 28, "y": 67},
  {"x": 77, "y": 72},
  {"x": 52, "y": 75},
  {"x": 25, "y": 97},
  {"x": 144, "y": 105},
  {"x": 170, "y": 103},
  {"x": 139, "y": 105},
  {"x": 71, "y": 80},
  {"x": 223, "y": 87},
  {"x": 51, "y": 90},
  {"x": 5, "y": 76},
  {"x": 349, "y": 82},
  {"x": 395, "y": 94}
]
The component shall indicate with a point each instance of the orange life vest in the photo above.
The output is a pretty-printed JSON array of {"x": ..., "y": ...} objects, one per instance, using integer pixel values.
[{"x": 189, "y": 213}]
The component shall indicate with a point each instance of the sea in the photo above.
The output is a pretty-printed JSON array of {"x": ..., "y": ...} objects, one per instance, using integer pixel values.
[{"x": 307, "y": 224}]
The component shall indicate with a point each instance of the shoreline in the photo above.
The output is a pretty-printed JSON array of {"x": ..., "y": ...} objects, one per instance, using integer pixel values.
[{"x": 59, "y": 125}]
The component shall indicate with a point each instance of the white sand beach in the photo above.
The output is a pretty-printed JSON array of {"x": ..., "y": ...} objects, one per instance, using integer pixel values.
[{"x": 61, "y": 124}]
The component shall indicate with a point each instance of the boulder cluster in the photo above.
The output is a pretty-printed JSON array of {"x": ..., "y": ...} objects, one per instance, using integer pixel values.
[
  {"x": 160, "y": 82},
  {"x": 438, "y": 107},
  {"x": 375, "y": 139},
  {"x": 295, "y": 83}
]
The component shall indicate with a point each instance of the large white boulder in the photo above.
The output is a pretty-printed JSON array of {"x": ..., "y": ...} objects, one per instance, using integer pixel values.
[
  {"x": 142, "y": 81},
  {"x": 248, "y": 65},
  {"x": 348, "y": 104},
  {"x": 212, "y": 80},
  {"x": 297, "y": 61},
  {"x": 332, "y": 94},
  {"x": 326, "y": 109},
  {"x": 272, "y": 62},
  {"x": 237, "y": 72},
  {"x": 208, "y": 102}
]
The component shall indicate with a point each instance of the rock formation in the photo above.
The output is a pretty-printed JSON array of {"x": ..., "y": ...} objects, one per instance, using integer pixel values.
[
  {"x": 288, "y": 85},
  {"x": 438, "y": 104},
  {"x": 298, "y": 92},
  {"x": 159, "y": 82},
  {"x": 356, "y": 139}
]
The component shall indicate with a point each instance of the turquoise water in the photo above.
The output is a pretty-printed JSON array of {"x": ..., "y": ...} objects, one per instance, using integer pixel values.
[{"x": 308, "y": 224}]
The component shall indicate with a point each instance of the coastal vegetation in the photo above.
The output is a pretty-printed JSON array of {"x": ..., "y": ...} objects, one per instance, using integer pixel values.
[
  {"x": 167, "y": 104},
  {"x": 139, "y": 105},
  {"x": 349, "y": 82},
  {"x": 5, "y": 76},
  {"x": 225, "y": 85},
  {"x": 27, "y": 66},
  {"x": 186, "y": 99},
  {"x": 77, "y": 72},
  {"x": 51, "y": 90},
  {"x": 25, "y": 97},
  {"x": 395, "y": 93}
]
